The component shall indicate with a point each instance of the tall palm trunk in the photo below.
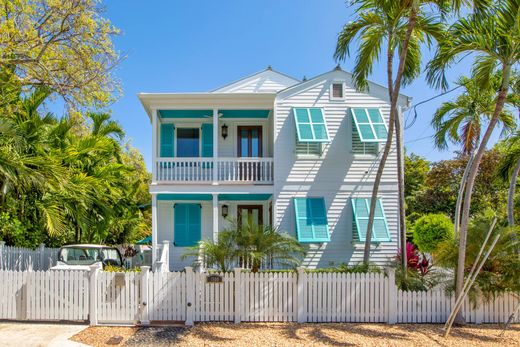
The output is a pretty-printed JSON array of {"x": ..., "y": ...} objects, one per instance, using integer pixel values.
[
  {"x": 459, "y": 280},
  {"x": 400, "y": 187},
  {"x": 511, "y": 195},
  {"x": 458, "y": 206},
  {"x": 394, "y": 96}
]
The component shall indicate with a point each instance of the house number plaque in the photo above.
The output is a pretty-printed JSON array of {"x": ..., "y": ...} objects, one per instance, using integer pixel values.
[{"x": 213, "y": 279}]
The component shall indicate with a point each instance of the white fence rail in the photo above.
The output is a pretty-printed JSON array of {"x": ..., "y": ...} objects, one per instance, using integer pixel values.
[
  {"x": 207, "y": 170},
  {"x": 22, "y": 259},
  {"x": 130, "y": 298}
]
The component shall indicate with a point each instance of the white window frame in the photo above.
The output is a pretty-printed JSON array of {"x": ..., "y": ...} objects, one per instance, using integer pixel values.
[
  {"x": 331, "y": 92},
  {"x": 309, "y": 156},
  {"x": 187, "y": 126}
]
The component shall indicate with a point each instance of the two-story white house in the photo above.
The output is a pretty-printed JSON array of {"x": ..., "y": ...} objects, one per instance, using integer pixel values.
[{"x": 299, "y": 155}]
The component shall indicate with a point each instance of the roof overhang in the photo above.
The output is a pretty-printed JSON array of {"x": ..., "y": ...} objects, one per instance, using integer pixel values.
[{"x": 194, "y": 101}]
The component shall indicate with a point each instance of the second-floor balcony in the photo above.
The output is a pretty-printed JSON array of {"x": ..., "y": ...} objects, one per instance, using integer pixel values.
[{"x": 215, "y": 170}]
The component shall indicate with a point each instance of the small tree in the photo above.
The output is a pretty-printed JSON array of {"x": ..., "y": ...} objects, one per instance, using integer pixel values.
[
  {"x": 430, "y": 230},
  {"x": 248, "y": 245}
]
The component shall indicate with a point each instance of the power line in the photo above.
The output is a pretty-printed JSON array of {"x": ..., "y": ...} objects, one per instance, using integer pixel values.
[{"x": 414, "y": 108}]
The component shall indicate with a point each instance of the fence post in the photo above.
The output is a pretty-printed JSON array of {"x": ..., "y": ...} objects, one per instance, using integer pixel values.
[
  {"x": 190, "y": 297},
  {"x": 41, "y": 251},
  {"x": 391, "y": 299},
  {"x": 302, "y": 284},
  {"x": 239, "y": 289},
  {"x": 166, "y": 256},
  {"x": 2, "y": 249},
  {"x": 145, "y": 277},
  {"x": 93, "y": 297}
]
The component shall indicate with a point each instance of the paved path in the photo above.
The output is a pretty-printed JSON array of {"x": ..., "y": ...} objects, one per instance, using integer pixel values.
[{"x": 48, "y": 335}]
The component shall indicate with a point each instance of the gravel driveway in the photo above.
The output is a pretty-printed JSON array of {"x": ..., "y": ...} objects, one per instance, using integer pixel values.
[{"x": 292, "y": 334}]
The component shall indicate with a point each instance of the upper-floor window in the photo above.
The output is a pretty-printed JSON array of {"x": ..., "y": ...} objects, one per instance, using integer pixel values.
[
  {"x": 337, "y": 91},
  {"x": 308, "y": 149},
  {"x": 188, "y": 142}
]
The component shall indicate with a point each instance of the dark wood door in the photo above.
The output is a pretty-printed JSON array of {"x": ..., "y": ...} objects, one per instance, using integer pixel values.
[
  {"x": 255, "y": 213},
  {"x": 249, "y": 141},
  {"x": 249, "y": 146}
]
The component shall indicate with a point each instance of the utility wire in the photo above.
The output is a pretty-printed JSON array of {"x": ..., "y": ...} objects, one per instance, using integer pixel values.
[{"x": 414, "y": 108}]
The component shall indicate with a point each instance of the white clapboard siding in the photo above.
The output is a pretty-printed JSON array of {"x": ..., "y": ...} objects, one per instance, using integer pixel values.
[
  {"x": 118, "y": 299},
  {"x": 338, "y": 175}
]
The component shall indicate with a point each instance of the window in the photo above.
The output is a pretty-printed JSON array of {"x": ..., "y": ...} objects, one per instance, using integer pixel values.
[
  {"x": 364, "y": 148},
  {"x": 188, "y": 142},
  {"x": 311, "y": 220},
  {"x": 360, "y": 210},
  {"x": 187, "y": 221},
  {"x": 310, "y": 125},
  {"x": 337, "y": 91},
  {"x": 369, "y": 124},
  {"x": 308, "y": 149}
]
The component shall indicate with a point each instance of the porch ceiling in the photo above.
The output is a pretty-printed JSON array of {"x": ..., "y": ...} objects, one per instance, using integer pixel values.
[
  {"x": 209, "y": 197},
  {"x": 236, "y": 113}
]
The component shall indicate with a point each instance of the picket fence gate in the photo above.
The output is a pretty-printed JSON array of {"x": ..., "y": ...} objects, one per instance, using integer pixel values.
[{"x": 149, "y": 297}]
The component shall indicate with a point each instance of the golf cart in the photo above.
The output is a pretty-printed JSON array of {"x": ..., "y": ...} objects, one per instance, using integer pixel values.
[{"x": 81, "y": 257}]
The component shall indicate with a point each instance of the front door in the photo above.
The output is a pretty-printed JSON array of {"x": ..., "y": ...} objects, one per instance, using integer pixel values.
[
  {"x": 250, "y": 212},
  {"x": 250, "y": 141},
  {"x": 249, "y": 146}
]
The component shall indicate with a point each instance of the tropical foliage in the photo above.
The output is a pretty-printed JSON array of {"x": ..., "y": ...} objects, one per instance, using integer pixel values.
[
  {"x": 248, "y": 245},
  {"x": 430, "y": 230},
  {"x": 500, "y": 271},
  {"x": 62, "y": 44},
  {"x": 64, "y": 181}
]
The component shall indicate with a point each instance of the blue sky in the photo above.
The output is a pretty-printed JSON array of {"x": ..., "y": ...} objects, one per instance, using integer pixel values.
[{"x": 195, "y": 45}]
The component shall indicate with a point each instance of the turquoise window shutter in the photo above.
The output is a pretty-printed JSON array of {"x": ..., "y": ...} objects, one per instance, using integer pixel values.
[
  {"x": 167, "y": 140},
  {"x": 370, "y": 124},
  {"x": 310, "y": 125},
  {"x": 187, "y": 224},
  {"x": 207, "y": 140},
  {"x": 361, "y": 210},
  {"x": 311, "y": 220}
]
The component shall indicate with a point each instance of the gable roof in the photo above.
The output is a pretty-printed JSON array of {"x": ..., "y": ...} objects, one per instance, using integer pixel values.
[
  {"x": 266, "y": 81},
  {"x": 373, "y": 88}
]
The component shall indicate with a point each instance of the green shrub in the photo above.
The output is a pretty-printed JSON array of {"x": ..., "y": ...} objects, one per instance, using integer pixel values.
[
  {"x": 113, "y": 268},
  {"x": 430, "y": 230},
  {"x": 344, "y": 268}
]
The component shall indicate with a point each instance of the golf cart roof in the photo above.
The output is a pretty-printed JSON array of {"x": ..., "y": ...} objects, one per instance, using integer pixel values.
[{"x": 86, "y": 246}]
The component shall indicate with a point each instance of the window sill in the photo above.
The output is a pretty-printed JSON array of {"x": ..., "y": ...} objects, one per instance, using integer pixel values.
[
  {"x": 364, "y": 156},
  {"x": 309, "y": 157},
  {"x": 361, "y": 244}
]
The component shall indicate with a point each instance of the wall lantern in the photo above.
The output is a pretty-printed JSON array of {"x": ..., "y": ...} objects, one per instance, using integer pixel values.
[
  {"x": 225, "y": 211},
  {"x": 224, "y": 131}
]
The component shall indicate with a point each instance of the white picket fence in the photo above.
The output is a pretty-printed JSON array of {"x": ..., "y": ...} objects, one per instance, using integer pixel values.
[
  {"x": 44, "y": 295},
  {"x": 148, "y": 297},
  {"x": 22, "y": 259}
]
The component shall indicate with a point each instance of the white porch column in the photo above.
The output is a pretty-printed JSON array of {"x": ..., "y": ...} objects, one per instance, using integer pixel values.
[
  {"x": 215, "y": 217},
  {"x": 155, "y": 122},
  {"x": 154, "y": 228},
  {"x": 215, "y": 146}
]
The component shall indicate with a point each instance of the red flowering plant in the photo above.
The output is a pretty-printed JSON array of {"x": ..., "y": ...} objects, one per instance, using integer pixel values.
[{"x": 418, "y": 270}]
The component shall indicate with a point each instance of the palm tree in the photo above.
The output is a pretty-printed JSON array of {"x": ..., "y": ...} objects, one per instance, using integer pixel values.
[
  {"x": 493, "y": 37},
  {"x": 460, "y": 122},
  {"x": 248, "y": 245},
  {"x": 401, "y": 27}
]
